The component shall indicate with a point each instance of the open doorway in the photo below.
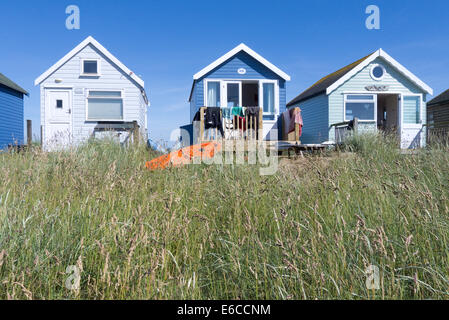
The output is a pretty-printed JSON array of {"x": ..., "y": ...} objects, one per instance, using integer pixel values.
[
  {"x": 250, "y": 93},
  {"x": 388, "y": 113}
]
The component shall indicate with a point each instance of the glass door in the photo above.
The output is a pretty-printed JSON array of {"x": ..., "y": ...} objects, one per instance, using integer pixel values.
[
  {"x": 269, "y": 97},
  {"x": 232, "y": 93}
]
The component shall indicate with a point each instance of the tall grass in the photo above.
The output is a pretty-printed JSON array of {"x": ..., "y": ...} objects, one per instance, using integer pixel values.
[{"x": 210, "y": 232}]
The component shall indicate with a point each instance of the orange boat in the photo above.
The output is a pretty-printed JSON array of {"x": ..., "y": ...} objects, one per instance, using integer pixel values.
[{"x": 185, "y": 156}]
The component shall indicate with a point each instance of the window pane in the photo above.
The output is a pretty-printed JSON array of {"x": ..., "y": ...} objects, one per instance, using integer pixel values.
[
  {"x": 359, "y": 97},
  {"x": 59, "y": 104},
  {"x": 105, "y": 109},
  {"x": 268, "y": 97},
  {"x": 412, "y": 110},
  {"x": 233, "y": 94},
  {"x": 90, "y": 67},
  {"x": 213, "y": 94},
  {"x": 378, "y": 72},
  {"x": 105, "y": 94},
  {"x": 362, "y": 111}
]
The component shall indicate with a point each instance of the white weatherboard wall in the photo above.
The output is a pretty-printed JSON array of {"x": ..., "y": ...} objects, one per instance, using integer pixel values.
[
  {"x": 111, "y": 78},
  {"x": 396, "y": 82}
]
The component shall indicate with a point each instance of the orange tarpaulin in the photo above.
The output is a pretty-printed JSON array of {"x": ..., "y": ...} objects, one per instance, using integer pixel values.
[{"x": 184, "y": 156}]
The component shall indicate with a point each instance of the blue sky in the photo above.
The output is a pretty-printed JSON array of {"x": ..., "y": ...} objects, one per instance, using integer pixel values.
[{"x": 166, "y": 42}]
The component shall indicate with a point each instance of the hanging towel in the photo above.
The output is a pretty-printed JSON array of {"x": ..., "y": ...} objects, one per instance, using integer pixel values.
[
  {"x": 213, "y": 119},
  {"x": 227, "y": 113},
  {"x": 286, "y": 124},
  {"x": 295, "y": 118},
  {"x": 238, "y": 111},
  {"x": 253, "y": 113}
]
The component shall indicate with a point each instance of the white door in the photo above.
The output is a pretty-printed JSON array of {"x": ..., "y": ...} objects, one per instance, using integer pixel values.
[
  {"x": 232, "y": 93},
  {"x": 58, "y": 119},
  {"x": 411, "y": 121}
]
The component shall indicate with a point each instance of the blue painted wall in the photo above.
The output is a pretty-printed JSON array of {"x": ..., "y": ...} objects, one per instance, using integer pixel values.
[
  {"x": 228, "y": 70},
  {"x": 11, "y": 117},
  {"x": 315, "y": 115}
]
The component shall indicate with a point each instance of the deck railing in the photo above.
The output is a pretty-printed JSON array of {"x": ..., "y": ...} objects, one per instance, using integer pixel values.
[
  {"x": 344, "y": 130},
  {"x": 438, "y": 135},
  {"x": 247, "y": 128}
]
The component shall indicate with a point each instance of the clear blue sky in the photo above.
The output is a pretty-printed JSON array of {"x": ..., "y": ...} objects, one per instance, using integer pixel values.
[{"x": 166, "y": 42}]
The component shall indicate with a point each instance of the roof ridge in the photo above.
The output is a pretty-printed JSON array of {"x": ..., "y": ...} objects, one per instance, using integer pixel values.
[
  {"x": 439, "y": 98},
  {"x": 345, "y": 68},
  {"x": 350, "y": 66}
]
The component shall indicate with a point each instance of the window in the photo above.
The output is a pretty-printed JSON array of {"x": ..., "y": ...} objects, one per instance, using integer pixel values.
[
  {"x": 233, "y": 93},
  {"x": 361, "y": 107},
  {"x": 377, "y": 72},
  {"x": 213, "y": 94},
  {"x": 430, "y": 120},
  {"x": 268, "y": 98},
  {"x": 105, "y": 106},
  {"x": 90, "y": 67},
  {"x": 59, "y": 104}
]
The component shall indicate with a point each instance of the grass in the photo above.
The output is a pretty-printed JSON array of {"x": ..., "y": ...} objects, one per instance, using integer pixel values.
[{"x": 210, "y": 232}]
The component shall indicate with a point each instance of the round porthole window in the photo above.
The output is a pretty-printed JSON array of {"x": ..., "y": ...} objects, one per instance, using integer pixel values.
[{"x": 377, "y": 72}]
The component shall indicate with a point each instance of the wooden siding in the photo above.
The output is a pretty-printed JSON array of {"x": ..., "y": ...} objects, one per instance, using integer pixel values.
[
  {"x": 315, "y": 117},
  {"x": 11, "y": 117},
  {"x": 393, "y": 79},
  {"x": 228, "y": 70},
  {"x": 111, "y": 78},
  {"x": 440, "y": 115}
]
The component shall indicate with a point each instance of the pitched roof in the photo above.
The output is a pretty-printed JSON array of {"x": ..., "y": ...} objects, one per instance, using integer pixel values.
[
  {"x": 12, "y": 85},
  {"x": 233, "y": 52},
  {"x": 230, "y": 54},
  {"x": 321, "y": 85},
  {"x": 331, "y": 82},
  {"x": 443, "y": 97},
  {"x": 78, "y": 48}
]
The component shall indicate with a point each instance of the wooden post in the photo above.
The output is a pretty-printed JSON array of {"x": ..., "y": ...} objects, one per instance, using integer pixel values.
[
  {"x": 356, "y": 125},
  {"x": 260, "y": 127},
  {"x": 29, "y": 133},
  {"x": 297, "y": 132},
  {"x": 135, "y": 132}
]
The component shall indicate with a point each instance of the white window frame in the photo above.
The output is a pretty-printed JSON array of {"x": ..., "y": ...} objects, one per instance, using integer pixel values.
[
  {"x": 224, "y": 87},
  {"x": 345, "y": 100},
  {"x": 371, "y": 72},
  {"x": 276, "y": 97},
  {"x": 83, "y": 74},
  {"x": 206, "y": 84},
  {"x": 223, "y": 97},
  {"x": 122, "y": 91}
]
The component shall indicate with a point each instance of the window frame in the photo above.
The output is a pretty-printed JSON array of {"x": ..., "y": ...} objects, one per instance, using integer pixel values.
[
  {"x": 260, "y": 82},
  {"x": 374, "y": 101},
  {"x": 224, "y": 86},
  {"x": 206, "y": 86},
  {"x": 122, "y": 97},
  {"x": 83, "y": 74},
  {"x": 276, "y": 96}
]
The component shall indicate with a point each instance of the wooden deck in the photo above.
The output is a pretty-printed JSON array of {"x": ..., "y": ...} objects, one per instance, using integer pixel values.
[{"x": 234, "y": 129}]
